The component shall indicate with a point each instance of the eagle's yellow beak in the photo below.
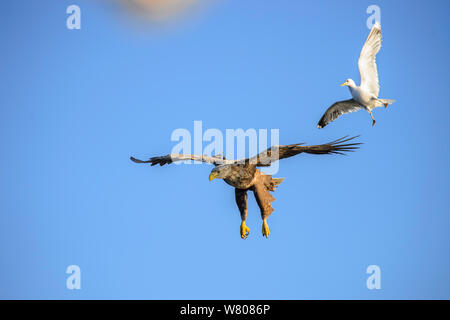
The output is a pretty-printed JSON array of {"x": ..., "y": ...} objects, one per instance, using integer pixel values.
[
  {"x": 212, "y": 175},
  {"x": 344, "y": 84}
]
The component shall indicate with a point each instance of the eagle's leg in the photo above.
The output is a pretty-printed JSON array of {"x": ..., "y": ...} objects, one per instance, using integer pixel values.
[
  {"x": 241, "y": 201},
  {"x": 264, "y": 198},
  {"x": 245, "y": 231},
  {"x": 373, "y": 120},
  {"x": 265, "y": 229}
]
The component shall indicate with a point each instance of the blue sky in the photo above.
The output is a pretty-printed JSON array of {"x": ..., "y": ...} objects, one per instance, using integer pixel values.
[{"x": 75, "y": 104}]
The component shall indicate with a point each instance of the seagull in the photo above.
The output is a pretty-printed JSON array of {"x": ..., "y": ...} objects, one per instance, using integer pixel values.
[{"x": 366, "y": 95}]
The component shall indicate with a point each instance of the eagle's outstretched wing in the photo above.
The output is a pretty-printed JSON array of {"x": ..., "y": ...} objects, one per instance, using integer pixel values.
[
  {"x": 265, "y": 158},
  {"x": 276, "y": 153},
  {"x": 337, "y": 109},
  {"x": 168, "y": 159}
]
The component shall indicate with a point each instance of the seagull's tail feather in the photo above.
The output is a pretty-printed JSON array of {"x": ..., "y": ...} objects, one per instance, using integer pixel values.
[{"x": 384, "y": 102}]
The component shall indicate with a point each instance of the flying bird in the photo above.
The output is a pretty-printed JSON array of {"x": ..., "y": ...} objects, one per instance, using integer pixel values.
[
  {"x": 366, "y": 95},
  {"x": 244, "y": 175}
]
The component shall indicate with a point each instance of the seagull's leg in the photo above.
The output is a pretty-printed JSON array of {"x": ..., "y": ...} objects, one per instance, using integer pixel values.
[
  {"x": 265, "y": 229},
  {"x": 373, "y": 120}
]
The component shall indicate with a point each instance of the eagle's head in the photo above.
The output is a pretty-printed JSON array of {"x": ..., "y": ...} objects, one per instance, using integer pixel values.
[{"x": 220, "y": 172}]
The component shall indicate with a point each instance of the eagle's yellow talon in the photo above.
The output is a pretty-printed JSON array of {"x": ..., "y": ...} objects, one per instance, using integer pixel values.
[
  {"x": 265, "y": 229},
  {"x": 245, "y": 231}
]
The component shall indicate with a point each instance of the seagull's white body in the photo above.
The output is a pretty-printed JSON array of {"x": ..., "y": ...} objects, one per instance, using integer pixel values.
[{"x": 366, "y": 95}]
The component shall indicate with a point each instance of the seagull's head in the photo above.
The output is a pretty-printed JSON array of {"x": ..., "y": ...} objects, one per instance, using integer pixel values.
[
  {"x": 349, "y": 83},
  {"x": 220, "y": 172}
]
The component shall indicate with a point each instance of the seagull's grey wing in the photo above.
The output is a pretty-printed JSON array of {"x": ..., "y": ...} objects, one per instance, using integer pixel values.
[
  {"x": 367, "y": 61},
  {"x": 338, "y": 109},
  {"x": 217, "y": 160}
]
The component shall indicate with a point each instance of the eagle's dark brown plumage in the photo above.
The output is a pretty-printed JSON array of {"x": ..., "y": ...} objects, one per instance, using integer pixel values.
[{"x": 243, "y": 174}]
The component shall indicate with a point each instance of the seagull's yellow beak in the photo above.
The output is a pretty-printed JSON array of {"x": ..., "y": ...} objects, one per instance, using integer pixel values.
[
  {"x": 212, "y": 175},
  {"x": 344, "y": 84}
]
